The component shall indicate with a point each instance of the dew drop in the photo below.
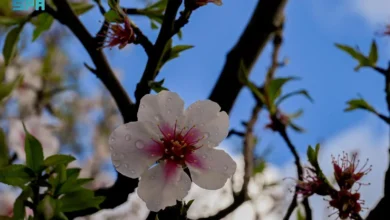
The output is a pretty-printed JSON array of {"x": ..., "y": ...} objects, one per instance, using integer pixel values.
[
  {"x": 114, "y": 154},
  {"x": 152, "y": 155},
  {"x": 209, "y": 167},
  {"x": 201, "y": 125},
  {"x": 111, "y": 148},
  {"x": 204, "y": 156},
  {"x": 206, "y": 135},
  {"x": 225, "y": 167},
  {"x": 169, "y": 111},
  {"x": 139, "y": 144},
  {"x": 157, "y": 117},
  {"x": 127, "y": 137},
  {"x": 216, "y": 133},
  {"x": 169, "y": 99},
  {"x": 126, "y": 166},
  {"x": 132, "y": 171},
  {"x": 142, "y": 106},
  {"x": 112, "y": 139}
]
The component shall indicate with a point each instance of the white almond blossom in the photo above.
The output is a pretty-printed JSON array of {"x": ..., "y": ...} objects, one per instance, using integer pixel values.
[
  {"x": 174, "y": 138},
  {"x": 38, "y": 129},
  {"x": 7, "y": 200}
]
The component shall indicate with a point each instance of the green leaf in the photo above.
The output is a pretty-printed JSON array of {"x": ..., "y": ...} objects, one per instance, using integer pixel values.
[
  {"x": 34, "y": 152},
  {"x": 16, "y": 175},
  {"x": 175, "y": 51},
  {"x": 300, "y": 216},
  {"x": 157, "y": 86},
  {"x": 5, "y": 217},
  {"x": 73, "y": 172},
  {"x": 288, "y": 95},
  {"x": 153, "y": 25},
  {"x": 47, "y": 206},
  {"x": 45, "y": 21},
  {"x": 72, "y": 185},
  {"x": 357, "y": 55},
  {"x": 10, "y": 44},
  {"x": 243, "y": 78},
  {"x": 159, "y": 5},
  {"x": 296, "y": 114},
  {"x": 19, "y": 208},
  {"x": 156, "y": 218},
  {"x": 359, "y": 104},
  {"x": 79, "y": 200},
  {"x": 9, "y": 21},
  {"x": 58, "y": 159},
  {"x": 113, "y": 16},
  {"x": 373, "y": 56},
  {"x": 80, "y": 8},
  {"x": 296, "y": 127},
  {"x": 114, "y": 4},
  {"x": 259, "y": 168},
  {"x": 4, "y": 154},
  {"x": 180, "y": 34},
  {"x": 7, "y": 88},
  {"x": 189, "y": 203},
  {"x": 274, "y": 88},
  {"x": 312, "y": 155}
]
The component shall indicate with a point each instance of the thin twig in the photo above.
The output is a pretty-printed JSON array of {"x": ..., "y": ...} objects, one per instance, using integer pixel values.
[
  {"x": 154, "y": 59},
  {"x": 249, "y": 145}
]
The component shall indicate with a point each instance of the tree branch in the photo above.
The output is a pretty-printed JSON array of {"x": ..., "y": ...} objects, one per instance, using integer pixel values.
[
  {"x": 265, "y": 20},
  {"x": 67, "y": 17},
  {"x": 165, "y": 34},
  {"x": 381, "y": 209}
]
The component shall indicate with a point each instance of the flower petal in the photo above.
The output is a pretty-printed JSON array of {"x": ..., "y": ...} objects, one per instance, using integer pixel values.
[
  {"x": 164, "y": 107},
  {"x": 162, "y": 185},
  {"x": 133, "y": 149},
  {"x": 209, "y": 120},
  {"x": 210, "y": 168}
]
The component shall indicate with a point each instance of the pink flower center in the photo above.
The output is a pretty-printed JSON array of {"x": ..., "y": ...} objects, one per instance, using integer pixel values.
[{"x": 178, "y": 146}]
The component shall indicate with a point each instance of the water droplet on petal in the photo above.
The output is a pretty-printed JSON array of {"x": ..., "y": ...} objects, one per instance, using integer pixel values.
[
  {"x": 128, "y": 137},
  {"x": 169, "y": 111},
  {"x": 139, "y": 144},
  {"x": 152, "y": 155},
  {"x": 142, "y": 106},
  {"x": 132, "y": 171},
  {"x": 216, "y": 133},
  {"x": 114, "y": 154},
  {"x": 112, "y": 139},
  {"x": 225, "y": 167},
  {"x": 206, "y": 135},
  {"x": 169, "y": 99},
  {"x": 209, "y": 167},
  {"x": 204, "y": 156},
  {"x": 111, "y": 148},
  {"x": 157, "y": 117},
  {"x": 201, "y": 125},
  {"x": 126, "y": 166}
]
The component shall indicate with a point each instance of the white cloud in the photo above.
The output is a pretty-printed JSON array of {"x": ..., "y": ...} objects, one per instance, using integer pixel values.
[
  {"x": 369, "y": 143},
  {"x": 374, "y": 11}
]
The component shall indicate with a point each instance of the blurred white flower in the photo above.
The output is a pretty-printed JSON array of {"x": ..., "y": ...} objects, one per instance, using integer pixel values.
[
  {"x": 174, "y": 138},
  {"x": 26, "y": 92},
  {"x": 36, "y": 127},
  {"x": 7, "y": 200}
]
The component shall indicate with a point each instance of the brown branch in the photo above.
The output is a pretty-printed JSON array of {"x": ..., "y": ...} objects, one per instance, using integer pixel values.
[
  {"x": 154, "y": 59},
  {"x": 381, "y": 209},
  {"x": 265, "y": 20},
  {"x": 118, "y": 193}
]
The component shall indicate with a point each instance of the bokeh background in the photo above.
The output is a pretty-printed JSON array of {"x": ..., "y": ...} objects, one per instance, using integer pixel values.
[{"x": 83, "y": 115}]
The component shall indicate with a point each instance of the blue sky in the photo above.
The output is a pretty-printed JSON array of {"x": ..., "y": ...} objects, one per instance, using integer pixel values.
[{"x": 310, "y": 33}]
